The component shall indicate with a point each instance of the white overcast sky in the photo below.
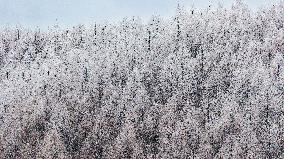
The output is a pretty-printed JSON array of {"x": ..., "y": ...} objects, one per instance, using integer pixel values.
[{"x": 42, "y": 13}]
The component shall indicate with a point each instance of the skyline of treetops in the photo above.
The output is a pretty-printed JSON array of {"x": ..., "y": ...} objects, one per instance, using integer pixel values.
[{"x": 204, "y": 84}]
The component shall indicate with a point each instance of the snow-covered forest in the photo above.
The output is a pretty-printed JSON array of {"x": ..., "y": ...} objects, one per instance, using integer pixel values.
[{"x": 205, "y": 84}]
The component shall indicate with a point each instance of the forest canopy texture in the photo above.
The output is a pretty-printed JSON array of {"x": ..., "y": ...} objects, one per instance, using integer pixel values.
[{"x": 205, "y": 84}]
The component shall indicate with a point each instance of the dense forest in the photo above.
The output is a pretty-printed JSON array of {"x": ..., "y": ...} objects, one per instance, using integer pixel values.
[{"x": 204, "y": 84}]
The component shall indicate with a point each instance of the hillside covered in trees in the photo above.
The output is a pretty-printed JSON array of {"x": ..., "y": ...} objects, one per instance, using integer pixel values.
[{"x": 205, "y": 84}]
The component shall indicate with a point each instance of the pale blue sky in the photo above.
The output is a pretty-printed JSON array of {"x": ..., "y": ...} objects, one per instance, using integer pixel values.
[{"x": 44, "y": 13}]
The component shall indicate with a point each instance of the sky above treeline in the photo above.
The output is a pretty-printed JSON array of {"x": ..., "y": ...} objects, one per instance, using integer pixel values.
[{"x": 43, "y": 13}]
